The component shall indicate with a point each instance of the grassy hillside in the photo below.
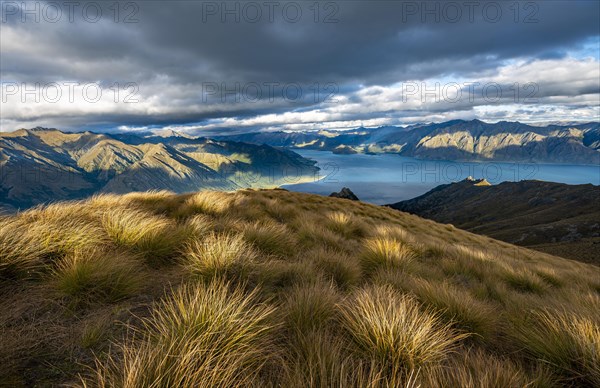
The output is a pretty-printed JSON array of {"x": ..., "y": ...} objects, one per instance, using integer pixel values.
[{"x": 273, "y": 288}]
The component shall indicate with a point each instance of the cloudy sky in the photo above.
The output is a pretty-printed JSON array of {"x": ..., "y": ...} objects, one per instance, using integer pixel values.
[{"x": 211, "y": 67}]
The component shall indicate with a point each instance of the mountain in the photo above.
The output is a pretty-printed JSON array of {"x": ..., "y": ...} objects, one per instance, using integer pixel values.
[
  {"x": 271, "y": 288},
  {"x": 453, "y": 140},
  {"x": 551, "y": 217},
  {"x": 41, "y": 165},
  {"x": 345, "y": 193}
]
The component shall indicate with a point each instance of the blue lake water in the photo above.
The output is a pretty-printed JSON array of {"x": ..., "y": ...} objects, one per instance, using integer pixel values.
[{"x": 388, "y": 178}]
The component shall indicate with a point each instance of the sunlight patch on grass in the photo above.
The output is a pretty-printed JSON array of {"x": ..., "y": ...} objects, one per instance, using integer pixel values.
[
  {"x": 385, "y": 252},
  {"x": 219, "y": 255}
]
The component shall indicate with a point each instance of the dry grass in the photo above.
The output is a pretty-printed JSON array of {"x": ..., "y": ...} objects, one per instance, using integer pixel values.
[
  {"x": 199, "y": 226},
  {"x": 392, "y": 329},
  {"x": 309, "y": 308},
  {"x": 207, "y": 202},
  {"x": 219, "y": 256},
  {"x": 458, "y": 307},
  {"x": 313, "y": 234},
  {"x": 346, "y": 224},
  {"x": 270, "y": 237},
  {"x": 93, "y": 276},
  {"x": 20, "y": 252},
  {"x": 274, "y": 288},
  {"x": 319, "y": 360},
  {"x": 345, "y": 270},
  {"x": 155, "y": 237},
  {"x": 386, "y": 252},
  {"x": 474, "y": 369},
  {"x": 564, "y": 340},
  {"x": 201, "y": 336},
  {"x": 524, "y": 280}
]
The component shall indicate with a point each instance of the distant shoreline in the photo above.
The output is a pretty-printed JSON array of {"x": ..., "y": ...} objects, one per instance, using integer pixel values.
[{"x": 449, "y": 160}]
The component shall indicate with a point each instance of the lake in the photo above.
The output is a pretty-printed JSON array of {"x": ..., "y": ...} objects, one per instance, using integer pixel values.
[{"x": 388, "y": 178}]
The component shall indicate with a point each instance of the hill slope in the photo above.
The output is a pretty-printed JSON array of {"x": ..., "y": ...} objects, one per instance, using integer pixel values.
[
  {"x": 42, "y": 165},
  {"x": 552, "y": 217},
  {"x": 273, "y": 288},
  {"x": 454, "y": 140}
]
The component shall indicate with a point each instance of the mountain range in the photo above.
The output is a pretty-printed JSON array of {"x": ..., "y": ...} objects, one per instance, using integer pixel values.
[
  {"x": 555, "y": 218},
  {"x": 452, "y": 140},
  {"x": 40, "y": 165}
]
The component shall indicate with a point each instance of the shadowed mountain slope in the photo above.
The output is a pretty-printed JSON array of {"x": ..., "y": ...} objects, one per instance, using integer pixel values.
[{"x": 552, "y": 217}]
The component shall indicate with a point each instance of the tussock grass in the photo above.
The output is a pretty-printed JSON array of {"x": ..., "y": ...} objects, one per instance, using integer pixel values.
[
  {"x": 157, "y": 238},
  {"x": 274, "y": 288},
  {"x": 276, "y": 275},
  {"x": 393, "y": 232},
  {"x": 95, "y": 331},
  {"x": 458, "y": 307},
  {"x": 475, "y": 369},
  {"x": 207, "y": 202},
  {"x": 468, "y": 267},
  {"x": 93, "y": 276},
  {"x": 219, "y": 255},
  {"x": 270, "y": 237},
  {"x": 319, "y": 360},
  {"x": 279, "y": 211},
  {"x": 33, "y": 240},
  {"x": 199, "y": 226},
  {"x": 566, "y": 341},
  {"x": 312, "y": 234},
  {"x": 394, "y": 330},
  {"x": 203, "y": 336},
  {"x": 551, "y": 277},
  {"x": 386, "y": 252},
  {"x": 524, "y": 280},
  {"x": 345, "y": 270},
  {"x": 309, "y": 308},
  {"x": 157, "y": 202},
  {"x": 59, "y": 232},
  {"x": 346, "y": 225},
  {"x": 20, "y": 252}
]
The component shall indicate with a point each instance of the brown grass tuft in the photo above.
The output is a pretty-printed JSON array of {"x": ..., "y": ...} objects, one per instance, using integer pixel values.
[
  {"x": 203, "y": 336},
  {"x": 219, "y": 255},
  {"x": 394, "y": 330},
  {"x": 385, "y": 252}
]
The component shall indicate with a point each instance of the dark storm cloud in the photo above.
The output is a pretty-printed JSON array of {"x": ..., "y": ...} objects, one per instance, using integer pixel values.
[
  {"x": 372, "y": 41},
  {"x": 172, "y": 49}
]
